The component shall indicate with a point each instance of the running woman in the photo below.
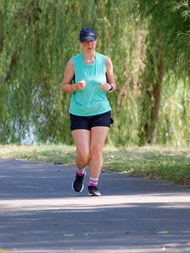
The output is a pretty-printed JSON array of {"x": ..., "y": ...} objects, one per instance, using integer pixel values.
[{"x": 89, "y": 77}]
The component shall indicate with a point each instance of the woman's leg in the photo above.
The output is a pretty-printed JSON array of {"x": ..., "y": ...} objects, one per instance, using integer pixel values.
[
  {"x": 82, "y": 141},
  {"x": 97, "y": 140}
]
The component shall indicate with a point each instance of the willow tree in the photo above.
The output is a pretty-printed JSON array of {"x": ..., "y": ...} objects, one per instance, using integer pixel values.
[
  {"x": 168, "y": 50},
  {"x": 37, "y": 39}
]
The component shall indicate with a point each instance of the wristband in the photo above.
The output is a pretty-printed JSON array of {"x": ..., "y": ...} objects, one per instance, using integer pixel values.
[{"x": 111, "y": 87}]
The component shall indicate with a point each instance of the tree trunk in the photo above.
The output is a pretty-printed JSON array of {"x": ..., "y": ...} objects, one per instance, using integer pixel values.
[{"x": 151, "y": 96}]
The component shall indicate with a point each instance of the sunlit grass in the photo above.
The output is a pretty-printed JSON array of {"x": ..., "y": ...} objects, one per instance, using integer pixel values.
[
  {"x": 170, "y": 164},
  {"x": 45, "y": 153}
]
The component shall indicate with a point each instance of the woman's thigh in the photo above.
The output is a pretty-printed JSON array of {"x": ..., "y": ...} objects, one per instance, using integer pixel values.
[
  {"x": 82, "y": 141},
  {"x": 98, "y": 137}
]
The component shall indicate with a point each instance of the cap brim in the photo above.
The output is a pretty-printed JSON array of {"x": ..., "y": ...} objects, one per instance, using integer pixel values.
[{"x": 93, "y": 38}]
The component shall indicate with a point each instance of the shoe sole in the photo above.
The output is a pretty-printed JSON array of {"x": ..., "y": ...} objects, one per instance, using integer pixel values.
[{"x": 94, "y": 195}]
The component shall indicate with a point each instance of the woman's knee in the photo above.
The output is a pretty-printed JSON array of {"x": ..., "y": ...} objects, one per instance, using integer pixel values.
[
  {"x": 96, "y": 151},
  {"x": 83, "y": 156}
]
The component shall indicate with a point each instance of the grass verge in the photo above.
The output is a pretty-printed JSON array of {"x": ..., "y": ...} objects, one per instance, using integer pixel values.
[{"x": 170, "y": 164}]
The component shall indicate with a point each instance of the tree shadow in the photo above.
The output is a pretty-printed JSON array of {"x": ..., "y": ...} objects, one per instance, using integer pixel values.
[{"x": 40, "y": 212}]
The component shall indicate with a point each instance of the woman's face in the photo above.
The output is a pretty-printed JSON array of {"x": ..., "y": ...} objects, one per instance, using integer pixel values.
[{"x": 89, "y": 45}]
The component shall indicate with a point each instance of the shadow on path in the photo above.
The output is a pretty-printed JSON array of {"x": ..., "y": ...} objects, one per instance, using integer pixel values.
[{"x": 40, "y": 213}]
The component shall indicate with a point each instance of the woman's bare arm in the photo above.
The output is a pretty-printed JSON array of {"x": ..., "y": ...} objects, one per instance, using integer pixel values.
[
  {"x": 110, "y": 73},
  {"x": 67, "y": 85}
]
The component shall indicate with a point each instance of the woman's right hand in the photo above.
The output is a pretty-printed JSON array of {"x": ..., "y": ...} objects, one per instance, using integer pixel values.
[{"x": 80, "y": 85}]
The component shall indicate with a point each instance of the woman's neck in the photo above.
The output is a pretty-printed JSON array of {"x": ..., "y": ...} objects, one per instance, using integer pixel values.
[{"x": 89, "y": 58}]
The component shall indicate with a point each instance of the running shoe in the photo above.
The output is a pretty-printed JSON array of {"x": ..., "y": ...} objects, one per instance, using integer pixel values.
[
  {"x": 93, "y": 191},
  {"x": 78, "y": 184}
]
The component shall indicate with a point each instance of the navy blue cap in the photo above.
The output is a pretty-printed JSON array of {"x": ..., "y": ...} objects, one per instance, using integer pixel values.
[{"x": 87, "y": 33}]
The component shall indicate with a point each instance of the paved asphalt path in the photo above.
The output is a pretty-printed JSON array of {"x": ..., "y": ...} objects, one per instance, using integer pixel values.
[{"x": 39, "y": 212}]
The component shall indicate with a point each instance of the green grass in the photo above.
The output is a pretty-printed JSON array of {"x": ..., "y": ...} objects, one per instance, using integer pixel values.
[
  {"x": 170, "y": 164},
  {"x": 152, "y": 162}
]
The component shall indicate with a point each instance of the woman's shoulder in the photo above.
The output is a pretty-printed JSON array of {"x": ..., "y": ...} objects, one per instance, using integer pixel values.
[
  {"x": 100, "y": 55},
  {"x": 76, "y": 57},
  {"x": 103, "y": 57}
]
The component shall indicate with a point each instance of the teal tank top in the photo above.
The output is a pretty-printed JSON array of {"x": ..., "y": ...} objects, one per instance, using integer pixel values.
[{"x": 92, "y": 100}]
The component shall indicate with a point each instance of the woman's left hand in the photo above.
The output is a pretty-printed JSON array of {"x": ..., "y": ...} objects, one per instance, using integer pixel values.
[{"x": 105, "y": 86}]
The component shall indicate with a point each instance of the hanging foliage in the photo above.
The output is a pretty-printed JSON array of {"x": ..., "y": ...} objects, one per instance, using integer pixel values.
[
  {"x": 38, "y": 37},
  {"x": 167, "y": 23}
]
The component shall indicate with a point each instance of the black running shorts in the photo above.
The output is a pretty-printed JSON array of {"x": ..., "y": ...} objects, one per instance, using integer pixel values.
[{"x": 87, "y": 122}]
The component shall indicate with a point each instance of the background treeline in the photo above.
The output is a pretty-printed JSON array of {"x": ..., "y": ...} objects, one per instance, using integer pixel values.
[{"x": 148, "y": 42}]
